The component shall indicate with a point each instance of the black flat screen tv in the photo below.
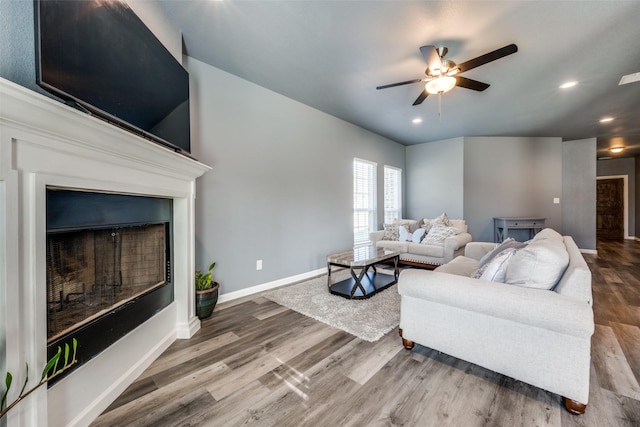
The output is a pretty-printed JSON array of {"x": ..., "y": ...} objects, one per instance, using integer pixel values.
[{"x": 100, "y": 56}]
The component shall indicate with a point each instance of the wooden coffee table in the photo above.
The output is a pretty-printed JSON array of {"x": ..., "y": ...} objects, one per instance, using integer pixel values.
[{"x": 362, "y": 283}]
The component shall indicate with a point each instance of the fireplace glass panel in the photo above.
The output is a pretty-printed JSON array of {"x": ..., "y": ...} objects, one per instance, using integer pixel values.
[{"x": 92, "y": 272}]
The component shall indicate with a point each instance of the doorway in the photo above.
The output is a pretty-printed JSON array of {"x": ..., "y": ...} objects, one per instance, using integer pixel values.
[{"x": 611, "y": 207}]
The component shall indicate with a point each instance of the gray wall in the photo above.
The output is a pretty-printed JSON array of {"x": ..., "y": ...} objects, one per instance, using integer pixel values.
[
  {"x": 17, "y": 45},
  {"x": 579, "y": 191},
  {"x": 281, "y": 185},
  {"x": 479, "y": 178},
  {"x": 624, "y": 166},
  {"x": 511, "y": 177},
  {"x": 435, "y": 181}
]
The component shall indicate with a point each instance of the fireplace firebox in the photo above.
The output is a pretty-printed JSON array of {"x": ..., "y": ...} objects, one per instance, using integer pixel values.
[{"x": 108, "y": 266}]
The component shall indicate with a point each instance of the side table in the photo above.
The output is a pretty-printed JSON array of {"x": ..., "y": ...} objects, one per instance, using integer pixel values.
[{"x": 502, "y": 225}]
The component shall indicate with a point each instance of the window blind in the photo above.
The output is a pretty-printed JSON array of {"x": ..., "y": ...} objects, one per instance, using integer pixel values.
[
  {"x": 364, "y": 200},
  {"x": 392, "y": 194}
]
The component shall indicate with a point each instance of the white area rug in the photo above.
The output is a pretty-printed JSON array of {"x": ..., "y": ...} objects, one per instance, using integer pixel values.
[{"x": 367, "y": 319}]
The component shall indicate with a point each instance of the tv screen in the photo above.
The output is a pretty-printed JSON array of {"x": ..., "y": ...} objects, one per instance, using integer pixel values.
[{"x": 100, "y": 55}]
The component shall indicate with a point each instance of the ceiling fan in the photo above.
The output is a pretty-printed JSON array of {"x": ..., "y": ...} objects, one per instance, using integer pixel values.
[{"x": 442, "y": 75}]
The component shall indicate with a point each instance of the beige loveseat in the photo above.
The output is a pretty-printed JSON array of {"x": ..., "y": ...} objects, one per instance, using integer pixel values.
[
  {"x": 536, "y": 335},
  {"x": 417, "y": 252}
]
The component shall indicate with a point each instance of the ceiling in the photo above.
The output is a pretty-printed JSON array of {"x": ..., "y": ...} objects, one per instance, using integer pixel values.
[{"x": 331, "y": 55}]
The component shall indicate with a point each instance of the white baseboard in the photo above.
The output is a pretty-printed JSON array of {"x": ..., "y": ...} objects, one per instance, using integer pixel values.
[
  {"x": 589, "y": 251},
  {"x": 270, "y": 285},
  {"x": 186, "y": 331}
]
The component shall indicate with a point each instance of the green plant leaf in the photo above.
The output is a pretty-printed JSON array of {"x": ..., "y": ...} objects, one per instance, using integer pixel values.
[
  {"x": 7, "y": 381},
  {"x": 75, "y": 347},
  {"x": 212, "y": 266},
  {"x": 52, "y": 363},
  {"x": 66, "y": 354},
  {"x": 26, "y": 378}
]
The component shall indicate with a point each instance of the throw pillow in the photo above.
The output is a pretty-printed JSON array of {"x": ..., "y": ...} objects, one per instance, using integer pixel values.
[
  {"x": 411, "y": 224},
  {"x": 496, "y": 270},
  {"x": 391, "y": 232},
  {"x": 403, "y": 234},
  {"x": 437, "y": 234},
  {"x": 427, "y": 224},
  {"x": 548, "y": 234},
  {"x": 442, "y": 219},
  {"x": 540, "y": 265},
  {"x": 418, "y": 235},
  {"x": 509, "y": 242}
]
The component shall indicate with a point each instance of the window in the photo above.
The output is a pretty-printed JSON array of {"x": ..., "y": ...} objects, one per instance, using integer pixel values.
[
  {"x": 392, "y": 194},
  {"x": 364, "y": 200}
]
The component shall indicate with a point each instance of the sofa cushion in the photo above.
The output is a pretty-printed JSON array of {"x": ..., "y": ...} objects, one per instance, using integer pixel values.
[
  {"x": 401, "y": 247},
  {"x": 391, "y": 232},
  {"x": 538, "y": 265},
  {"x": 459, "y": 224},
  {"x": 437, "y": 234},
  {"x": 426, "y": 250},
  {"x": 461, "y": 266}
]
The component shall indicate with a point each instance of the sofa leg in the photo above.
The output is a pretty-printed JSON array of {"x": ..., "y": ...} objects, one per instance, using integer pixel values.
[
  {"x": 406, "y": 343},
  {"x": 574, "y": 407}
]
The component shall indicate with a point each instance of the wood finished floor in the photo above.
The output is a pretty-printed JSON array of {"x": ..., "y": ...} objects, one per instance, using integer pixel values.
[{"x": 257, "y": 363}]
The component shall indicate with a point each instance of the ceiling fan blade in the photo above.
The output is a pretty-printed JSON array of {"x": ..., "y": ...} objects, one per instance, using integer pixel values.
[
  {"x": 431, "y": 57},
  {"x": 400, "y": 83},
  {"x": 421, "y": 98},
  {"x": 471, "y": 84},
  {"x": 488, "y": 57}
]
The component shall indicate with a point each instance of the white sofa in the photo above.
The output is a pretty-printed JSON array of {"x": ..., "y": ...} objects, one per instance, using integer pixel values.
[
  {"x": 538, "y": 336},
  {"x": 423, "y": 255}
]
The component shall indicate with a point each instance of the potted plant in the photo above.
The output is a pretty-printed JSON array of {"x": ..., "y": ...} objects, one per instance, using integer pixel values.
[{"x": 206, "y": 292}]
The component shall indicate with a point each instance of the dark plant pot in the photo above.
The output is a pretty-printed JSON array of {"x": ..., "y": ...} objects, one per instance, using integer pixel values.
[{"x": 206, "y": 301}]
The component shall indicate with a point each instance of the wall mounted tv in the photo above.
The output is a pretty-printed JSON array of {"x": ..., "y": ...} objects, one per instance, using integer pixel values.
[{"x": 101, "y": 57}]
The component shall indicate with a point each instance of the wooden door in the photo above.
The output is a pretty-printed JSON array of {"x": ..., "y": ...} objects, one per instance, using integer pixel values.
[{"x": 610, "y": 209}]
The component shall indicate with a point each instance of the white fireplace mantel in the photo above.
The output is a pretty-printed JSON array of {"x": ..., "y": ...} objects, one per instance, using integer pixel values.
[{"x": 44, "y": 143}]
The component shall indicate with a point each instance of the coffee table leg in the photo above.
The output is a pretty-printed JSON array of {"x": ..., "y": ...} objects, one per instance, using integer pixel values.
[
  {"x": 396, "y": 261},
  {"x": 358, "y": 281},
  {"x": 329, "y": 275}
]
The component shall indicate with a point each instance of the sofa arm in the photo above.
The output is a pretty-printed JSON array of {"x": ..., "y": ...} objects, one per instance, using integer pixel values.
[
  {"x": 477, "y": 250},
  {"x": 375, "y": 236},
  {"x": 453, "y": 243},
  {"x": 534, "y": 307}
]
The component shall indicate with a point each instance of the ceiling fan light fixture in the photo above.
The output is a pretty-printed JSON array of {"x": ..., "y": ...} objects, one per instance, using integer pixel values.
[
  {"x": 567, "y": 85},
  {"x": 617, "y": 149},
  {"x": 440, "y": 84}
]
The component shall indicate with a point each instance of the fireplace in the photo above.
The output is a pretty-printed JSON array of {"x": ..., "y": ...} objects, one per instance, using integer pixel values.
[
  {"x": 48, "y": 149},
  {"x": 108, "y": 266}
]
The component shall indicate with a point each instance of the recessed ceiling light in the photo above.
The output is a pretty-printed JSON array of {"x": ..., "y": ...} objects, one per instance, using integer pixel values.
[
  {"x": 568, "y": 84},
  {"x": 606, "y": 119},
  {"x": 616, "y": 149},
  {"x": 416, "y": 120},
  {"x": 629, "y": 78}
]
